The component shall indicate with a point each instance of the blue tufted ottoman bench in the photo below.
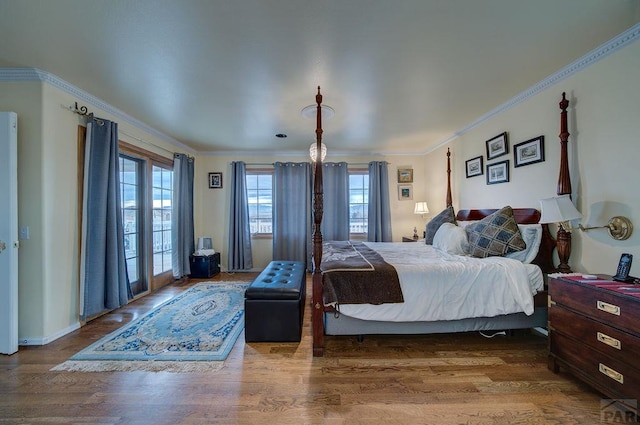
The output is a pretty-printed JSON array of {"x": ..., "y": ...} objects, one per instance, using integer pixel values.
[{"x": 274, "y": 303}]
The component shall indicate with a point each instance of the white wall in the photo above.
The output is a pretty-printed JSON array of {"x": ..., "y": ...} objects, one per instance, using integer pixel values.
[{"x": 604, "y": 153}]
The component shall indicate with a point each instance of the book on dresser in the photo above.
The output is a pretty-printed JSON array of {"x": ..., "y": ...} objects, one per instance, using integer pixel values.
[{"x": 594, "y": 333}]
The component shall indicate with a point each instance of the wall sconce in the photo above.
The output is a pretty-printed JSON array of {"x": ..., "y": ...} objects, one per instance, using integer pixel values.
[
  {"x": 619, "y": 228},
  {"x": 560, "y": 210}
]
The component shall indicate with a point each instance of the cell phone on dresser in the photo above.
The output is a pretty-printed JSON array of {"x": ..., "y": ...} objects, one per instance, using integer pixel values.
[{"x": 624, "y": 268}]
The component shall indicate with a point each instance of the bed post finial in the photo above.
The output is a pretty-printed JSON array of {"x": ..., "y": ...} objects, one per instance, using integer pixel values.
[{"x": 449, "y": 198}]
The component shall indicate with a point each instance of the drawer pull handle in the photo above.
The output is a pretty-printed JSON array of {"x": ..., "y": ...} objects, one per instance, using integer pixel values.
[
  {"x": 610, "y": 341},
  {"x": 616, "y": 376},
  {"x": 608, "y": 308}
]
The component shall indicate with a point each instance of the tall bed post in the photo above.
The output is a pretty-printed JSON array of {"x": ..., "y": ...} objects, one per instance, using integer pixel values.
[
  {"x": 563, "y": 238},
  {"x": 317, "y": 310},
  {"x": 449, "y": 198},
  {"x": 564, "y": 180}
]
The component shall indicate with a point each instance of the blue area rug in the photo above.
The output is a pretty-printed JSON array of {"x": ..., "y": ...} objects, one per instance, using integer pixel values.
[{"x": 187, "y": 332}]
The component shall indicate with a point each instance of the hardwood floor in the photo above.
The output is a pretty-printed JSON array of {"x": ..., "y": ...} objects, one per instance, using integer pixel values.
[{"x": 423, "y": 379}]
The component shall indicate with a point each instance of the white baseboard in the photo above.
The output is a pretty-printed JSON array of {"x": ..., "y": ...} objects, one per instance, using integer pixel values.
[{"x": 47, "y": 339}]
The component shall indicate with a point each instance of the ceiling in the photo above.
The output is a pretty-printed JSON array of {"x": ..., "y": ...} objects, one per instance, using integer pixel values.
[{"x": 226, "y": 76}]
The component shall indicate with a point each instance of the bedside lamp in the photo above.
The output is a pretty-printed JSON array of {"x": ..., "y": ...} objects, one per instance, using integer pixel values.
[
  {"x": 560, "y": 210},
  {"x": 421, "y": 208}
]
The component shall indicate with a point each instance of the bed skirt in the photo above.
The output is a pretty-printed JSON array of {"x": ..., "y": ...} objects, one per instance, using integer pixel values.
[{"x": 345, "y": 325}]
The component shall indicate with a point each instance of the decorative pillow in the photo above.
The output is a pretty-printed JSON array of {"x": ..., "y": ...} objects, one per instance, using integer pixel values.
[
  {"x": 496, "y": 234},
  {"x": 451, "y": 239},
  {"x": 446, "y": 216},
  {"x": 532, "y": 235}
]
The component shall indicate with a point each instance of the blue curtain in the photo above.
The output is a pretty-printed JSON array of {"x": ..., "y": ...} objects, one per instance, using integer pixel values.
[
  {"x": 335, "y": 218},
  {"x": 182, "y": 231},
  {"x": 292, "y": 212},
  {"x": 104, "y": 284},
  {"x": 239, "y": 256},
  {"x": 379, "y": 203}
]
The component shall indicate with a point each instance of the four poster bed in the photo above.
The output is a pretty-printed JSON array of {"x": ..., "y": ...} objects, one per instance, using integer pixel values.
[{"x": 433, "y": 289}]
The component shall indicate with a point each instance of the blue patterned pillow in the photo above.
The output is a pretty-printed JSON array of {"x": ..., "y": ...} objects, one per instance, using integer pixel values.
[
  {"x": 495, "y": 235},
  {"x": 446, "y": 216}
]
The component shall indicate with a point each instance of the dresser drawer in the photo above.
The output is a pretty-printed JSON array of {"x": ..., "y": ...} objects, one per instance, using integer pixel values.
[
  {"x": 616, "y": 310},
  {"x": 611, "y": 341},
  {"x": 606, "y": 373}
]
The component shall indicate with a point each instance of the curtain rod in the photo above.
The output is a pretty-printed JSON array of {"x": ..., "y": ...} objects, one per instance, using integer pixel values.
[
  {"x": 84, "y": 111},
  {"x": 263, "y": 164},
  {"x": 147, "y": 143}
]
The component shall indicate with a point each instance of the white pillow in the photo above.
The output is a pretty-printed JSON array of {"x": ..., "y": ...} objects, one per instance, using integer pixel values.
[
  {"x": 465, "y": 223},
  {"x": 451, "y": 239},
  {"x": 532, "y": 235}
]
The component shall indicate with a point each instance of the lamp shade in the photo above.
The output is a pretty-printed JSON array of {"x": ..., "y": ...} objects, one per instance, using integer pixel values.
[
  {"x": 313, "y": 151},
  {"x": 421, "y": 208},
  {"x": 558, "y": 209}
]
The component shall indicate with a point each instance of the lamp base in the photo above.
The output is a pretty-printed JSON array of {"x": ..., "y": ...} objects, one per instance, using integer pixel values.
[{"x": 563, "y": 244}]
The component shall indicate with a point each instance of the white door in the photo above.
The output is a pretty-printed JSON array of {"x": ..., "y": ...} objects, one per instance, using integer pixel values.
[{"x": 8, "y": 233}]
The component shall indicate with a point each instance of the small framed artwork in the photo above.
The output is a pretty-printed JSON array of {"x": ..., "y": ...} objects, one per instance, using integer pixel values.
[
  {"x": 405, "y": 175},
  {"x": 215, "y": 180},
  {"x": 497, "y": 146},
  {"x": 528, "y": 152},
  {"x": 405, "y": 192},
  {"x": 498, "y": 172},
  {"x": 474, "y": 167}
]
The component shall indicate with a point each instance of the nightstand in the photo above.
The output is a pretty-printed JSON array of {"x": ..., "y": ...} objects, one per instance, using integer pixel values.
[
  {"x": 203, "y": 266},
  {"x": 594, "y": 333}
]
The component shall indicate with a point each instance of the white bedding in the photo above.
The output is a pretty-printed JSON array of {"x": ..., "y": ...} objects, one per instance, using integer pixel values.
[{"x": 441, "y": 286}]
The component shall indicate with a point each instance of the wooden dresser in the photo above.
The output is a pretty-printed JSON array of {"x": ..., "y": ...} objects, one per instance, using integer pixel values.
[{"x": 594, "y": 332}]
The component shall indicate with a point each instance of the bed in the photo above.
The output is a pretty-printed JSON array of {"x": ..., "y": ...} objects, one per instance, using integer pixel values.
[{"x": 440, "y": 291}]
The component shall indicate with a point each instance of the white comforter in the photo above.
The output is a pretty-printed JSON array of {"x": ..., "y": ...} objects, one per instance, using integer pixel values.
[{"x": 441, "y": 286}]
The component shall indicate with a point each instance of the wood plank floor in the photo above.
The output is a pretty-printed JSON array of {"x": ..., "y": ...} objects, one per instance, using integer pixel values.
[{"x": 428, "y": 379}]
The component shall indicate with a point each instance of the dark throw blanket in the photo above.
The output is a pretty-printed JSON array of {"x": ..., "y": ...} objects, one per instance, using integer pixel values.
[{"x": 353, "y": 273}]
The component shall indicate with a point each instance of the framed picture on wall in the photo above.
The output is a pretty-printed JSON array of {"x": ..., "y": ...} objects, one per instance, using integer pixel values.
[
  {"x": 215, "y": 180},
  {"x": 498, "y": 172},
  {"x": 474, "y": 167},
  {"x": 497, "y": 146},
  {"x": 529, "y": 152},
  {"x": 405, "y": 175},
  {"x": 405, "y": 192}
]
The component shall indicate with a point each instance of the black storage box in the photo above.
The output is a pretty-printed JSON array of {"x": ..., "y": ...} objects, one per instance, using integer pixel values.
[
  {"x": 274, "y": 303},
  {"x": 203, "y": 266}
]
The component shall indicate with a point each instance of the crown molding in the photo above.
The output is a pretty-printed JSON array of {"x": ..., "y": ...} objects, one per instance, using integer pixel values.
[
  {"x": 622, "y": 40},
  {"x": 34, "y": 74}
]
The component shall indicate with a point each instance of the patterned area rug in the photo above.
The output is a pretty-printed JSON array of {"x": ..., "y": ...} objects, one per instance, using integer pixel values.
[{"x": 192, "y": 332}]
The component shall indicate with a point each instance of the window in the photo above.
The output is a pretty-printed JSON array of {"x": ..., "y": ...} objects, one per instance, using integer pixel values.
[
  {"x": 358, "y": 202},
  {"x": 162, "y": 188},
  {"x": 260, "y": 200}
]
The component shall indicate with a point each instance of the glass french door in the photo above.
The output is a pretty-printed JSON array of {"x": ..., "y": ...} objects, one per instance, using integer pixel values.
[
  {"x": 146, "y": 190},
  {"x": 132, "y": 205}
]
